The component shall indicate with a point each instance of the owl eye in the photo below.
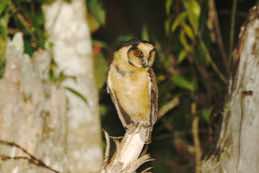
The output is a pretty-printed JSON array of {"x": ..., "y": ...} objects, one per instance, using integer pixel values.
[
  {"x": 135, "y": 57},
  {"x": 138, "y": 53}
]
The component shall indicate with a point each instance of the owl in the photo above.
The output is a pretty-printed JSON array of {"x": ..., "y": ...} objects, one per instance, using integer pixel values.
[{"x": 132, "y": 85}]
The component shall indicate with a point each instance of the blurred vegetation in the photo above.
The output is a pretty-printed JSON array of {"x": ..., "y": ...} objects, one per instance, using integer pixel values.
[{"x": 195, "y": 40}]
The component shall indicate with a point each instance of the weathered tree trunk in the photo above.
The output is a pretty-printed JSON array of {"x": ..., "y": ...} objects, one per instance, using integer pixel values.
[
  {"x": 49, "y": 104},
  {"x": 72, "y": 51},
  {"x": 238, "y": 150}
]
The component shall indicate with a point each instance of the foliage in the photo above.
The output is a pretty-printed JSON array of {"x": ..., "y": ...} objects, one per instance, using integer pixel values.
[
  {"x": 3, "y": 32},
  {"x": 192, "y": 64},
  {"x": 96, "y": 15}
]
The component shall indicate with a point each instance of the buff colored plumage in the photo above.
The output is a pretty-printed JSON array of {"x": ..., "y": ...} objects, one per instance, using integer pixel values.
[{"x": 132, "y": 85}]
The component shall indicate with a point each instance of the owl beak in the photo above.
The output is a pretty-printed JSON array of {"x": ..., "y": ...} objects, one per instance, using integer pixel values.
[{"x": 145, "y": 64}]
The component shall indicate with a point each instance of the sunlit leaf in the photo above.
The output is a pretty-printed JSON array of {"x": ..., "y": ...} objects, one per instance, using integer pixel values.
[
  {"x": 182, "y": 56},
  {"x": 193, "y": 10},
  {"x": 100, "y": 69},
  {"x": 184, "y": 42},
  {"x": 3, "y": 40},
  {"x": 3, "y": 5},
  {"x": 188, "y": 30},
  {"x": 179, "y": 20},
  {"x": 96, "y": 9},
  {"x": 206, "y": 112},
  {"x": 160, "y": 78},
  {"x": 2, "y": 68},
  {"x": 184, "y": 83},
  {"x": 92, "y": 23},
  {"x": 48, "y": 1},
  {"x": 168, "y": 5}
]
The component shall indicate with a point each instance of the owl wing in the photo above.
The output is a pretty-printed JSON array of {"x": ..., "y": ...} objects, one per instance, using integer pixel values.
[
  {"x": 124, "y": 117},
  {"x": 153, "y": 93},
  {"x": 153, "y": 96}
]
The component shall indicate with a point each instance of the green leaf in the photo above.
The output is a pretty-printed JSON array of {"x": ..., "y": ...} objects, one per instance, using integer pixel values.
[
  {"x": 184, "y": 42},
  {"x": 206, "y": 112},
  {"x": 124, "y": 38},
  {"x": 101, "y": 69},
  {"x": 179, "y": 20},
  {"x": 184, "y": 83},
  {"x": 144, "y": 34},
  {"x": 93, "y": 24},
  {"x": 48, "y": 2},
  {"x": 96, "y": 9},
  {"x": 167, "y": 26},
  {"x": 168, "y": 5},
  {"x": 188, "y": 31},
  {"x": 3, "y": 5},
  {"x": 182, "y": 56},
  {"x": 103, "y": 109},
  {"x": 205, "y": 53},
  {"x": 2, "y": 68},
  {"x": 193, "y": 10},
  {"x": 3, "y": 38}
]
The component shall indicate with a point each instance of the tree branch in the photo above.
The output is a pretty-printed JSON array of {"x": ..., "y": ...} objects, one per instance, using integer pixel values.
[
  {"x": 30, "y": 158},
  {"x": 127, "y": 158}
]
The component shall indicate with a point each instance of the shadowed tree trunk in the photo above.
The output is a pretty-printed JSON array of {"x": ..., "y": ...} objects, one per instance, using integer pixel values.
[
  {"x": 49, "y": 104},
  {"x": 238, "y": 150}
]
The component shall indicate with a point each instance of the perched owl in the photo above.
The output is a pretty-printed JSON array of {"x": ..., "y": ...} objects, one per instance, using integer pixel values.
[{"x": 132, "y": 85}]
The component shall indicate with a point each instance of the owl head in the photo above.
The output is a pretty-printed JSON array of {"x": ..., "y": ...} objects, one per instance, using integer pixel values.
[{"x": 139, "y": 54}]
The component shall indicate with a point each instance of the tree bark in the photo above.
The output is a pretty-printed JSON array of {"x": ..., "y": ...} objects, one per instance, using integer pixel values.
[
  {"x": 237, "y": 147},
  {"x": 72, "y": 51},
  {"x": 49, "y": 118}
]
